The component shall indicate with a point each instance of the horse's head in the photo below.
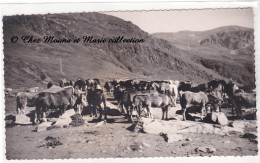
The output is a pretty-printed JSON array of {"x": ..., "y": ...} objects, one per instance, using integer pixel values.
[{"x": 230, "y": 88}]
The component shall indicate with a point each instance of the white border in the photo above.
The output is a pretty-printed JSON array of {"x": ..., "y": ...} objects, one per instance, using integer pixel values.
[
  {"x": 44, "y": 8},
  {"x": 115, "y": 1},
  {"x": 41, "y": 7}
]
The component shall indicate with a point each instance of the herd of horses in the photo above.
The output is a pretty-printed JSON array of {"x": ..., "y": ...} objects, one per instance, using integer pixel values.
[{"x": 135, "y": 96}]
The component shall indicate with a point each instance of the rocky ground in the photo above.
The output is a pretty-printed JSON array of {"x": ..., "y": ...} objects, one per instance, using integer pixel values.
[{"x": 118, "y": 138}]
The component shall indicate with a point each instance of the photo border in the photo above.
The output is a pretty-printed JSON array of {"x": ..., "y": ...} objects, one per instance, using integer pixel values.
[{"x": 55, "y": 8}]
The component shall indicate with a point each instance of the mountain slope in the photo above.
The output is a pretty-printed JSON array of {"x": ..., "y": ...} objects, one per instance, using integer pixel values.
[
  {"x": 228, "y": 50},
  {"x": 34, "y": 64}
]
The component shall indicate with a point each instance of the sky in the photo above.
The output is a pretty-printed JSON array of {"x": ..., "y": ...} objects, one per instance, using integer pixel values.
[{"x": 192, "y": 20}]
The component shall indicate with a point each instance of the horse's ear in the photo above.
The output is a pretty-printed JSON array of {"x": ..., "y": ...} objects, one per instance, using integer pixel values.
[{"x": 181, "y": 92}]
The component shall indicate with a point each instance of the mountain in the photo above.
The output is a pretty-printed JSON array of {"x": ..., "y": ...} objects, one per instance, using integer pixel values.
[
  {"x": 231, "y": 37},
  {"x": 228, "y": 50},
  {"x": 35, "y": 64}
]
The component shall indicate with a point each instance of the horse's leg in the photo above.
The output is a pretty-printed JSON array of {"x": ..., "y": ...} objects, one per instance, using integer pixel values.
[
  {"x": 163, "y": 112},
  {"x": 37, "y": 115},
  {"x": 239, "y": 112},
  {"x": 63, "y": 109},
  {"x": 124, "y": 109},
  {"x": 23, "y": 108},
  {"x": 78, "y": 108},
  {"x": 167, "y": 109},
  {"x": 232, "y": 112},
  {"x": 139, "y": 107},
  {"x": 91, "y": 110},
  {"x": 98, "y": 107},
  {"x": 95, "y": 110},
  {"x": 119, "y": 106},
  {"x": 18, "y": 108},
  {"x": 105, "y": 111},
  {"x": 203, "y": 111},
  {"x": 129, "y": 113},
  {"x": 148, "y": 112},
  {"x": 35, "y": 120},
  {"x": 219, "y": 107},
  {"x": 44, "y": 117},
  {"x": 184, "y": 114}
]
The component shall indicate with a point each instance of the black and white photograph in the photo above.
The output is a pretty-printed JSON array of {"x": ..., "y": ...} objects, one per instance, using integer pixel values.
[{"x": 130, "y": 84}]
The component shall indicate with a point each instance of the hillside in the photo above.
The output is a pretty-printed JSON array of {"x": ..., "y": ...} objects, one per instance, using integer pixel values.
[
  {"x": 34, "y": 64},
  {"x": 228, "y": 50}
]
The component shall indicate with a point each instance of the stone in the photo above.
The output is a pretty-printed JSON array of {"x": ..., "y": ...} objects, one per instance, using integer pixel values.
[
  {"x": 227, "y": 129},
  {"x": 211, "y": 150},
  {"x": 154, "y": 126},
  {"x": 67, "y": 114},
  {"x": 250, "y": 135},
  {"x": 128, "y": 148},
  {"x": 206, "y": 149},
  {"x": 63, "y": 122},
  {"x": 77, "y": 120},
  {"x": 52, "y": 119},
  {"x": 238, "y": 124},
  {"x": 146, "y": 145},
  {"x": 226, "y": 142},
  {"x": 216, "y": 117},
  {"x": 100, "y": 123},
  {"x": 87, "y": 118},
  {"x": 184, "y": 144},
  {"x": 178, "y": 117},
  {"x": 43, "y": 126},
  {"x": 53, "y": 127},
  {"x": 109, "y": 105},
  {"x": 249, "y": 111},
  {"x": 170, "y": 138},
  {"x": 22, "y": 119},
  {"x": 222, "y": 119},
  {"x": 251, "y": 124},
  {"x": 33, "y": 89}
]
